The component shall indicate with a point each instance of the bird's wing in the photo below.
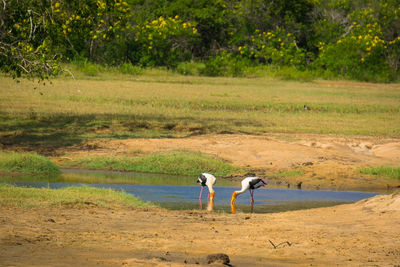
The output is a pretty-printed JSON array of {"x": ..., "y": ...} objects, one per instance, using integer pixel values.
[{"x": 255, "y": 183}]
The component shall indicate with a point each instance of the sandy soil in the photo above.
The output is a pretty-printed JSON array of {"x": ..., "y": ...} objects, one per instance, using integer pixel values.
[
  {"x": 361, "y": 234},
  {"x": 328, "y": 161}
]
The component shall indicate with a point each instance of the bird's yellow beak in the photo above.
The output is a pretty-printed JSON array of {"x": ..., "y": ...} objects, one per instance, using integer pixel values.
[
  {"x": 212, "y": 194},
  {"x": 234, "y": 195}
]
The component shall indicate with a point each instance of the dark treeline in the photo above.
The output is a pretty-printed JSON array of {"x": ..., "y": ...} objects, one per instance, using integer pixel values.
[{"x": 331, "y": 38}]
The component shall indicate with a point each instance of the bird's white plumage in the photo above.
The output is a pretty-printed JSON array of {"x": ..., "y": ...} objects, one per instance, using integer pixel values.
[
  {"x": 246, "y": 184},
  {"x": 210, "y": 181}
]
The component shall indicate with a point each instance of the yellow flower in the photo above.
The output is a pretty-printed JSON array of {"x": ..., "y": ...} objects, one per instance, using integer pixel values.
[
  {"x": 57, "y": 5},
  {"x": 150, "y": 47},
  {"x": 94, "y": 36}
]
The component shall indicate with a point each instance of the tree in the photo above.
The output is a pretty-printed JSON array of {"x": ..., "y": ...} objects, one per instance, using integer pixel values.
[{"x": 24, "y": 44}]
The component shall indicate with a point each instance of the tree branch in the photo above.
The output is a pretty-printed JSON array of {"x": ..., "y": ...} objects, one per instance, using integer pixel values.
[{"x": 275, "y": 246}]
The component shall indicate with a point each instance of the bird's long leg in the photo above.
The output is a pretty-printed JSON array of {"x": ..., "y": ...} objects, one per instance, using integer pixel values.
[
  {"x": 201, "y": 192},
  {"x": 252, "y": 200}
]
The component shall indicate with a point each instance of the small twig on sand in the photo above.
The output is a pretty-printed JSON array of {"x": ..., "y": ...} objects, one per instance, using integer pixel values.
[{"x": 275, "y": 246}]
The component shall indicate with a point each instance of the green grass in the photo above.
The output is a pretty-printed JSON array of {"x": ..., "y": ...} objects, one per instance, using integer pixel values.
[
  {"x": 172, "y": 162},
  {"x": 289, "y": 173},
  {"x": 382, "y": 171},
  {"x": 158, "y": 104},
  {"x": 27, "y": 163},
  {"x": 66, "y": 197}
]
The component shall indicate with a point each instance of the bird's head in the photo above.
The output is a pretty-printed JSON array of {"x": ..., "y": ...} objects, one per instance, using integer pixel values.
[{"x": 234, "y": 195}]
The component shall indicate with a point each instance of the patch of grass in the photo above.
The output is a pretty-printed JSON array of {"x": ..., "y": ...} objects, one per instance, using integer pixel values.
[
  {"x": 190, "y": 68},
  {"x": 289, "y": 173},
  {"x": 130, "y": 69},
  {"x": 172, "y": 162},
  {"x": 71, "y": 197},
  {"x": 291, "y": 73},
  {"x": 382, "y": 171},
  {"x": 27, "y": 163}
]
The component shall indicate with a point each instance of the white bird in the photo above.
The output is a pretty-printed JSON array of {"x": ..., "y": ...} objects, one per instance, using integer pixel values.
[
  {"x": 248, "y": 183},
  {"x": 206, "y": 179}
]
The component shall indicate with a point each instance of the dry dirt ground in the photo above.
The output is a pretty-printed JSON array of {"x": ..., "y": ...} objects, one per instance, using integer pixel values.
[
  {"x": 328, "y": 161},
  {"x": 361, "y": 234}
]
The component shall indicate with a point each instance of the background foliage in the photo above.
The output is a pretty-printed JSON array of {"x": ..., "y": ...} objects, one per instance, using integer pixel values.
[{"x": 330, "y": 38}]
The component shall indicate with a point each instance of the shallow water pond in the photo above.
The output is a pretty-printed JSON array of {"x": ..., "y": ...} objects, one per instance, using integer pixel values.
[{"x": 180, "y": 192}]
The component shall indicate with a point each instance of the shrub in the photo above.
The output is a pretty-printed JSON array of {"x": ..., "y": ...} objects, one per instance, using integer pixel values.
[
  {"x": 130, "y": 69},
  {"x": 190, "y": 68},
  {"x": 226, "y": 64},
  {"x": 274, "y": 47},
  {"x": 362, "y": 53},
  {"x": 162, "y": 42},
  {"x": 25, "y": 162}
]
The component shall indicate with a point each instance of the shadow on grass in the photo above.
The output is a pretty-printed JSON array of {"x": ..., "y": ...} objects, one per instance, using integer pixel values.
[{"x": 46, "y": 134}]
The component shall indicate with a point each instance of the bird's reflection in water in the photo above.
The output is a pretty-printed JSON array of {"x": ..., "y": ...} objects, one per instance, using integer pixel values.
[
  {"x": 210, "y": 206},
  {"x": 233, "y": 208}
]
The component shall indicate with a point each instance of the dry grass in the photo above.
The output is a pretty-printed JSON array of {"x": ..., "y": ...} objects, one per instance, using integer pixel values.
[{"x": 158, "y": 104}]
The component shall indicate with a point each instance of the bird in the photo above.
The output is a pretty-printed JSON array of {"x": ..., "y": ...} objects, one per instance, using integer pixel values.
[
  {"x": 206, "y": 179},
  {"x": 248, "y": 183}
]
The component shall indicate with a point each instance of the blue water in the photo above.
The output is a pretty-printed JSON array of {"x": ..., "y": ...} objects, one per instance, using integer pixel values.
[{"x": 168, "y": 193}]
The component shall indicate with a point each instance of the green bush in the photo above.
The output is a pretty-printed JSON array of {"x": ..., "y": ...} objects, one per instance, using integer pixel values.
[
  {"x": 162, "y": 42},
  {"x": 276, "y": 47},
  {"x": 130, "y": 69},
  {"x": 190, "y": 68},
  {"x": 364, "y": 53},
  {"x": 226, "y": 64},
  {"x": 26, "y": 162}
]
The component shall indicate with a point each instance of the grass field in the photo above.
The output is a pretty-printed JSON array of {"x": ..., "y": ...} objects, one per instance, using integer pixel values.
[
  {"x": 163, "y": 104},
  {"x": 67, "y": 197},
  {"x": 27, "y": 163},
  {"x": 171, "y": 162}
]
